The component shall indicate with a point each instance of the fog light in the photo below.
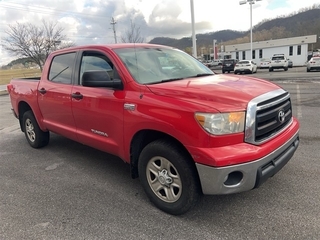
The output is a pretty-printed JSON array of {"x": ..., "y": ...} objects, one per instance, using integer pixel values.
[{"x": 233, "y": 178}]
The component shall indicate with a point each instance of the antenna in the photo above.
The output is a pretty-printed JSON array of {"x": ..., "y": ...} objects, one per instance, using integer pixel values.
[{"x": 113, "y": 23}]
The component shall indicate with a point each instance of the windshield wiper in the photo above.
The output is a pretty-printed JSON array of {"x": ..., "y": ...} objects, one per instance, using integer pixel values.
[
  {"x": 171, "y": 79},
  {"x": 180, "y": 78},
  {"x": 203, "y": 74}
]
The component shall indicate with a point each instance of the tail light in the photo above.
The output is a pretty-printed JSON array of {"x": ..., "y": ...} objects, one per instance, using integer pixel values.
[{"x": 9, "y": 87}]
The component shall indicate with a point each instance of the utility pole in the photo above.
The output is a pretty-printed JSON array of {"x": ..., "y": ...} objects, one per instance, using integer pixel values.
[{"x": 113, "y": 23}]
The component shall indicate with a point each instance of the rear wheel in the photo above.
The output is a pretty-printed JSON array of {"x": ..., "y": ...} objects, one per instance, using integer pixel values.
[
  {"x": 34, "y": 135},
  {"x": 270, "y": 69},
  {"x": 168, "y": 177}
]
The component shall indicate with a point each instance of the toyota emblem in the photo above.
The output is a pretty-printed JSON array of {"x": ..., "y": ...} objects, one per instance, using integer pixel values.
[{"x": 281, "y": 116}]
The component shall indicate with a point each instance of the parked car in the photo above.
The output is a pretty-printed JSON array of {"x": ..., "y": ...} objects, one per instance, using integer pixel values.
[
  {"x": 278, "y": 61},
  {"x": 290, "y": 63},
  {"x": 265, "y": 63},
  {"x": 313, "y": 64},
  {"x": 213, "y": 63},
  {"x": 245, "y": 66},
  {"x": 228, "y": 65}
]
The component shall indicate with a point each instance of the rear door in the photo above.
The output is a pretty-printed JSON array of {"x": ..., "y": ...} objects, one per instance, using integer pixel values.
[{"x": 55, "y": 95}]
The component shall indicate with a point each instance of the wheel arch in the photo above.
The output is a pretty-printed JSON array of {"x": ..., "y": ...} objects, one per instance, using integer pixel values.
[
  {"x": 22, "y": 108},
  {"x": 142, "y": 139}
]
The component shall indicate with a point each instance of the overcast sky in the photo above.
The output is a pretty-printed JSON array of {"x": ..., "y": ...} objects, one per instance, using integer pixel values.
[{"x": 88, "y": 22}]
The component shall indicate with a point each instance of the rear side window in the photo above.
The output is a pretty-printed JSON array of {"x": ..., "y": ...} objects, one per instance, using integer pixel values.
[{"x": 61, "y": 68}]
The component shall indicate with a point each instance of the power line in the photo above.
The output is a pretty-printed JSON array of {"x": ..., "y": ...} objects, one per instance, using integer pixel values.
[{"x": 47, "y": 10}]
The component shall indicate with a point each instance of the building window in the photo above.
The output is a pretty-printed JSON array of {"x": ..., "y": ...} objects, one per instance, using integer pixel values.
[
  {"x": 299, "y": 50},
  {"x": 253, "y": 54},
  {"x": 237, "y": 55},
  {"x": 260, "y": 53},
  {"x": 290, "y": 50},
  {"x": 243, "y": 55}
]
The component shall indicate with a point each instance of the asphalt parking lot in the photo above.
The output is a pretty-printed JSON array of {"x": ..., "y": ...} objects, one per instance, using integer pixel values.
[{"x": 69, "y": 191}]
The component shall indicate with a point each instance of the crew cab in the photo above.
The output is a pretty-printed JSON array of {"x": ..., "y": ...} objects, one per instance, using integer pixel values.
[{"x": 184, "y": 130}]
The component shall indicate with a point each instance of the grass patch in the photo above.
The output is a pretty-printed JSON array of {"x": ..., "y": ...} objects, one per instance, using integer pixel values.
[{"x": 7, "y": 75}]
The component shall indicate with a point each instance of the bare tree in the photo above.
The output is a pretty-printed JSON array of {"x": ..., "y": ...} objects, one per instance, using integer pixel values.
[
  {"x": 34, "y": 42},
  {"x": 132, "y": 35}
]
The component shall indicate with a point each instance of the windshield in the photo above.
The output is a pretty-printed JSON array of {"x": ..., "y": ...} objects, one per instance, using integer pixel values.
[
  {"x": 278, "y": 58},
  {"x": 155, "y": 65}
]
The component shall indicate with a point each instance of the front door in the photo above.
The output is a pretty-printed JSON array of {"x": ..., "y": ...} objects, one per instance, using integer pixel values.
[{"x": 98, "y": 112}]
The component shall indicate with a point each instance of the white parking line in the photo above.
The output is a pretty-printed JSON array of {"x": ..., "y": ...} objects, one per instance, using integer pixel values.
[{"x": 299, "y": 112}]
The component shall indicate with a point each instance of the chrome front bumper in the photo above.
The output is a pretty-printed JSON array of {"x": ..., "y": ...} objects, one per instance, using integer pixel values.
[{"x": 246, "y": 176}]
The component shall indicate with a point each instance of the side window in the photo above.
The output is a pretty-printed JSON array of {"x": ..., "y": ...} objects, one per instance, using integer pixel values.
[
  {"x": 260, "y": 53},
  {"x": 290, "y": 50},
  {"x": 61, "y": 68},
  {"x": 243, "y": 55},
  {"x": 299, "y": 50},
  {"x": 96, "y": 62}
]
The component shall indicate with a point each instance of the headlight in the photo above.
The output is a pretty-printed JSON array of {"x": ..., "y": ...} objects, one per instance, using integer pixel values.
[{"x": 222, "y": 123}]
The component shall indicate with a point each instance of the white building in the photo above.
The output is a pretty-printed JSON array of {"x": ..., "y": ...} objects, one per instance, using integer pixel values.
[{"x": 295, "y": 48}]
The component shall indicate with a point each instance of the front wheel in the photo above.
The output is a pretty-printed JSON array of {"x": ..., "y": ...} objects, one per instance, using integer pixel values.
[
  {"x": 168, "y": 177},
  {"x": 34, "y": 135}
]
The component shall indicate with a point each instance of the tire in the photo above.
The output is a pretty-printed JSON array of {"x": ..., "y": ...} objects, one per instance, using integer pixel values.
[
  {"x": 270, "y": 69},
  {"x": 286, "y": 69},
  {"x": 168, "y": 177},
  {"x": 34, "y": 135},
  {"x": 223, "y": 71},
  {"x": 308, "y": 70}
]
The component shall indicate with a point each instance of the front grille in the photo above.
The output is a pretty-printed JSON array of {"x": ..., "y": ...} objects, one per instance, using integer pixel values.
[
  {"x": 268, "y": 121},
  {"x": 267, "y": 116}
]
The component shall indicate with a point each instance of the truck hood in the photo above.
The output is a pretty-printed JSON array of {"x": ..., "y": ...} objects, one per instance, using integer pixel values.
[{"x": 221, "y": 92}]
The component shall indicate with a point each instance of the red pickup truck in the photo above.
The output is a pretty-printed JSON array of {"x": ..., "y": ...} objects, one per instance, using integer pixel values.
[{"x": 184, "y": 130}]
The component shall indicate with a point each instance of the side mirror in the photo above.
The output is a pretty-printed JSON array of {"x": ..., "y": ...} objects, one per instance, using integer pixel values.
[{"x": 100, "y": 79}]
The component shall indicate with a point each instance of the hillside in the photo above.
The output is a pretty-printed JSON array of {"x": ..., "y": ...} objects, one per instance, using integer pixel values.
[{"x": 306, "y": 22}]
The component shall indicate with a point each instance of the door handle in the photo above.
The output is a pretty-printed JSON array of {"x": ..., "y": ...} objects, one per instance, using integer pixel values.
[
  {"x": 77, "y": 95},
  {"x": 42, "y": 90}
]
